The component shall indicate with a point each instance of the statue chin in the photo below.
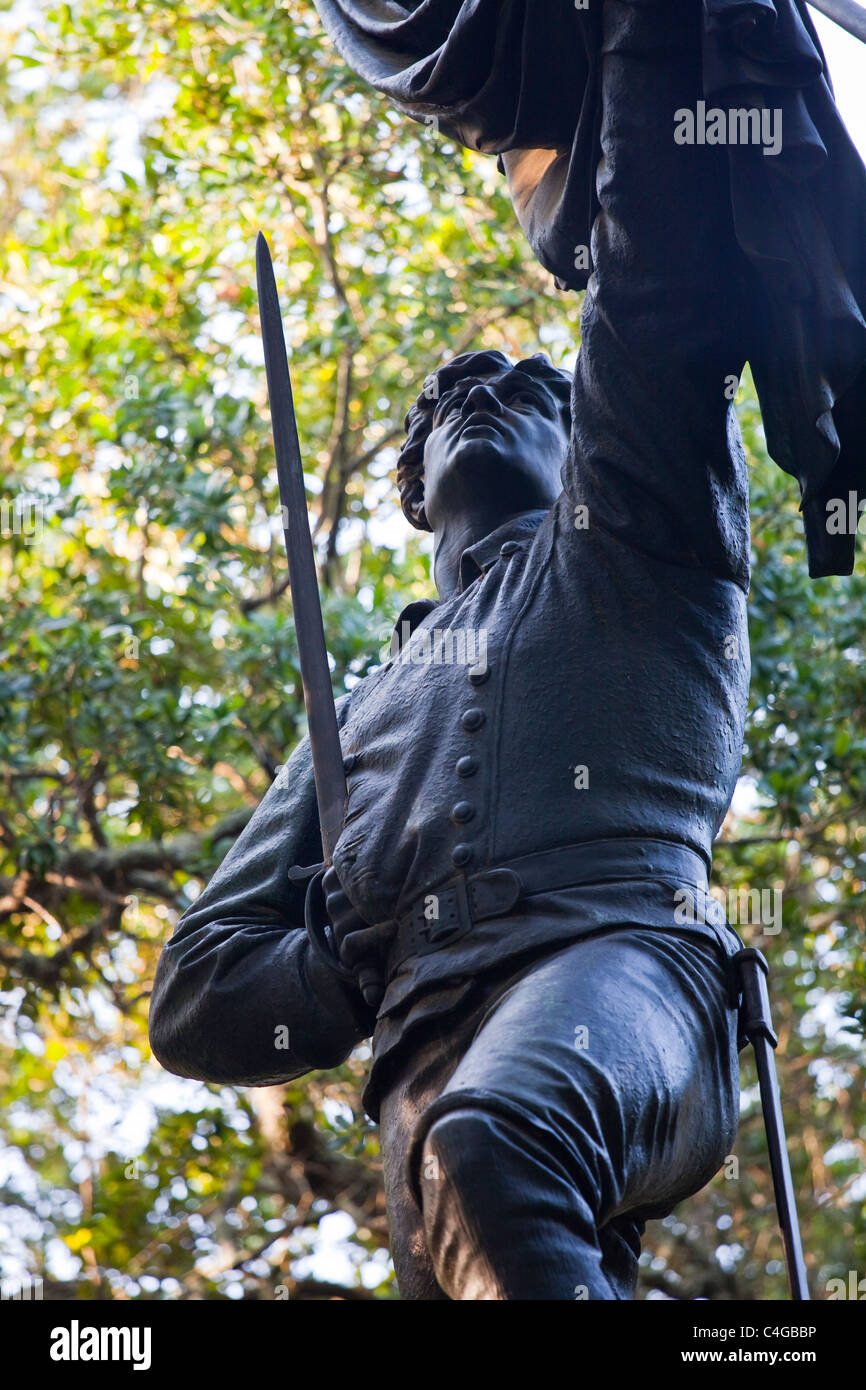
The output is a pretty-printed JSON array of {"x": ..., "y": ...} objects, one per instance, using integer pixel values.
[{"x": 481, "y": 445}]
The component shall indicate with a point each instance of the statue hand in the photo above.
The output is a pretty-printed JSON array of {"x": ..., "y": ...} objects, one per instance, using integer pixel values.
[{"x": 357, "y": 942}]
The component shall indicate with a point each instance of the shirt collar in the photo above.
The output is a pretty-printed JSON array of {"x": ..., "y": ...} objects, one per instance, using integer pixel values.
[
  {"x": 478, "y": 558},
  {"x": 474, "y": 561},
  {"x": 412, "y": 616}
]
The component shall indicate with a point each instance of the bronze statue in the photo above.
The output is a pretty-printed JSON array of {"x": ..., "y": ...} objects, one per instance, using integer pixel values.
[{"x": 536, "y": 776}]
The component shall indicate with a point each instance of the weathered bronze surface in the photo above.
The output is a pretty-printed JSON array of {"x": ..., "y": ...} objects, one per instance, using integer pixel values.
[{"x": 537, "y": 774}]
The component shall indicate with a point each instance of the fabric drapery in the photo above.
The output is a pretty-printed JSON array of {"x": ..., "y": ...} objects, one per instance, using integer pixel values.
[{"x": 524, "y": 79}]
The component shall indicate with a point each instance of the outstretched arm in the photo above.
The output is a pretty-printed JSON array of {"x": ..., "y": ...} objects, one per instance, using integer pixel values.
[
  {"x": 656, "y": 456},
  {"x": 239, "y": 997}
]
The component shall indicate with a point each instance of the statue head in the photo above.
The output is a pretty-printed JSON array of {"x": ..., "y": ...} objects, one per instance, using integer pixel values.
[{"x": 486, "y": 434}]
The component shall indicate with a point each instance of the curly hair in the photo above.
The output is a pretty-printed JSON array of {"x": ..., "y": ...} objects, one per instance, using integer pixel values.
[{"x": 419, "y": 419}]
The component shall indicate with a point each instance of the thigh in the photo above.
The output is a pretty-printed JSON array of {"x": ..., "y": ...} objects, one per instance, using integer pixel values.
[
  {"x": 421, "y": 1079},
  {"x": 620, "y": 1052},
  {"x": 426, "y": 1063}
]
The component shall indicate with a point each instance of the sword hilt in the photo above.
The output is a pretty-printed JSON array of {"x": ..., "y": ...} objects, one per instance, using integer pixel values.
[
  {"x": 317, "y": 925},
  {"x": 755, "y": 1017},
  {"x": 372, "y": 986},
  {"x": 368, "y": 978}
]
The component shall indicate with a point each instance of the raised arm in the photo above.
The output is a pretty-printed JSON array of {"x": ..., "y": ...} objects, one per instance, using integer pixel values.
[
  {"x": 656, "y": 456},
  {"x": 239, "y": 997}
]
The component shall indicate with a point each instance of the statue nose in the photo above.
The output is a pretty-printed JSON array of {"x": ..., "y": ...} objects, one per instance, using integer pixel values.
[{"x": 482, "y": 398}]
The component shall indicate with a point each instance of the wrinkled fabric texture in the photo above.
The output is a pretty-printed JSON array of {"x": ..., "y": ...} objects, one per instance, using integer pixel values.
[
  {"x": 525, "y": 79},
  {"x": 238, "y": 994},
  {"x": 618, "y": 619},
  {"x": 616, "y": 646},
  {"x": 427, "y": 990},
  {"x": 537, "y": 1129}
]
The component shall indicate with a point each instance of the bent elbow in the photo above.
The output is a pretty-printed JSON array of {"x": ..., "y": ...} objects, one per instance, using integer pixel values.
[
  {"x": 207, "y": 1033},
  {"x": 176, "y": 1040},
  {"x": 188, "y": 1037}
]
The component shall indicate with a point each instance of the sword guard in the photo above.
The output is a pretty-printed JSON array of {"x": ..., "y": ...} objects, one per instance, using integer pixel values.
[{"x": 298, "y": 874}]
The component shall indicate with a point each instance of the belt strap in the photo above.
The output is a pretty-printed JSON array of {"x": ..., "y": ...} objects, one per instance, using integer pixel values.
[{"x": 446, "y": 913}]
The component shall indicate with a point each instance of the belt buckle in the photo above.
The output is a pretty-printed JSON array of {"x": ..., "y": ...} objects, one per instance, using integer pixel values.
[{"x": 451, "y": 921}]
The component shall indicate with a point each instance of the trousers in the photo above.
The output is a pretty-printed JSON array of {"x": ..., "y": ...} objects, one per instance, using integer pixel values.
[{"x": 527, "y": 1140}]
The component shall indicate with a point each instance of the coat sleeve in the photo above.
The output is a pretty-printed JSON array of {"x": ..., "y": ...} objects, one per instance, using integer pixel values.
[
  {"x": 656, "y": 458},
  {"x": 518, "y": 79},
  {"x": 238, "y": 996},
  {"x": 532, "y": 81}
]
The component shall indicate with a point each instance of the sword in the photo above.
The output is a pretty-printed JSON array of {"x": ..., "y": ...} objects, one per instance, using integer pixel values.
[{"x": 328, "y": 771}]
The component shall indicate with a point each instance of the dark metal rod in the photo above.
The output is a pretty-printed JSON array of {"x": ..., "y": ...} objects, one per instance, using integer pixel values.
[
  {"x": 846, "y": 13},
  {"x": 306, "y": 605},
  {"x": 780, "y": 1167},
  {"x": 757, "y": 1024}
]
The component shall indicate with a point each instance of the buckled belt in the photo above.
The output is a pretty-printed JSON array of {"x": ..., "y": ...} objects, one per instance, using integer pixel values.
[{"x": 446, "y": 913}]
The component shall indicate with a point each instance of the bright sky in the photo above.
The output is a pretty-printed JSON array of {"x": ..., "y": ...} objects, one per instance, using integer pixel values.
[{"x": 846, "y": 59}]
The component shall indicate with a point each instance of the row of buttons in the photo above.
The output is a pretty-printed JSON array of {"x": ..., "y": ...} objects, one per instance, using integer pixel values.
[
  {"x": 472, "y": 720},
  {"x": 462, "y": 811},
  {"x": 467, "y": 766}
]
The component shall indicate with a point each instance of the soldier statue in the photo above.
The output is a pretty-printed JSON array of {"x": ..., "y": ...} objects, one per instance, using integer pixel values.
[{"x": 555, "y": 1045}]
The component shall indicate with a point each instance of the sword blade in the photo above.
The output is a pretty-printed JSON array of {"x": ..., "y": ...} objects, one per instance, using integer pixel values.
[
  {"x": 315, "y": 673},
  {"x": 846, "y": 13}
]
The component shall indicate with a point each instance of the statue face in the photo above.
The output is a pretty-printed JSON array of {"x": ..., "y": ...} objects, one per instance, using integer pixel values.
[{"x": 497, "y": 441}]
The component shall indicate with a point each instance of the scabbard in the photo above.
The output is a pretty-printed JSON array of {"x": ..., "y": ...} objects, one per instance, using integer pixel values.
[{"x": 756, "y": 1023}]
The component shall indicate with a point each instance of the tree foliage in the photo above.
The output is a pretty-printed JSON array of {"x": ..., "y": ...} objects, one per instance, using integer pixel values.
[{"x": 150, "y": 676}]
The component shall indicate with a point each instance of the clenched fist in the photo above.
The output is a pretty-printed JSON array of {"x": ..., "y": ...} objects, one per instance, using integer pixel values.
[{"x": 356, "y": 941}]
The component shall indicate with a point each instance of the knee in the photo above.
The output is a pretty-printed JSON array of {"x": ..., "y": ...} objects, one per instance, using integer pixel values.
[
  {"x": 457, "y": 1151},
  {"x": 459, "y": 1202},
  {"x": 486, "y": 1162},
  {"x": 480, "y": 1155},
  {"x": 490, "y": 1185}
]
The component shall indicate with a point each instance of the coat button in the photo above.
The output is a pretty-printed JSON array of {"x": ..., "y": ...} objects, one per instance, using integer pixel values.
[
  {"x": 467, "y": 767},
  {"x": 479, "y": 674},
  {"x": 350, "y": 762},
  {"x": 462, "y": 811},
  {"x": 460, "y": 855},
  {"x": 509, "y": 548},
  {"x": 473, "y": 719}
]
